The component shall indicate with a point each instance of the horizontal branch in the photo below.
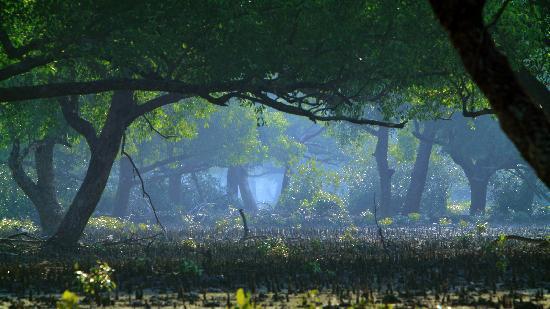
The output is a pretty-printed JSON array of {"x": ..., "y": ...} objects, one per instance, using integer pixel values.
[
  {"x": 177, "y": 91},
  {"x": 12, "y": 94},
  {"x": 474, "y": 114},
  {"x": 23, "y": 66},
  {"x": 295, "y": 110}
]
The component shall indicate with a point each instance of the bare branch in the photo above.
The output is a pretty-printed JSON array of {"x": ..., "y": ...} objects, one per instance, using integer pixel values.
[{"x": 145, "y": 193}]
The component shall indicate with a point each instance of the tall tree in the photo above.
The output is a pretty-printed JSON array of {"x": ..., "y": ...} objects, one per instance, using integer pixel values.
[
  {"x": 480, "y": 149},
  {"x": 42, "y": 192},
  {"x": 520, "y": 115},
  {"x": 420, "y": 168}
]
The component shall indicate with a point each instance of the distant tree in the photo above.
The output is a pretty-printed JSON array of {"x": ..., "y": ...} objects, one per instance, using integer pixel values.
[
  {"x": 421, "y": 165},
  {"x": 480, "y": 149}
]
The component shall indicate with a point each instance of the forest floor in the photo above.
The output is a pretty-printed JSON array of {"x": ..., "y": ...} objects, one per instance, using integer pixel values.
[
  {"x": 310, "y": 299},
  {"x": 424, "y": 266}
]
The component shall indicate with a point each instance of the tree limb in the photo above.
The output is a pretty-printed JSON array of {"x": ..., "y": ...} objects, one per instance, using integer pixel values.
[{"x": 69, "y": 108}]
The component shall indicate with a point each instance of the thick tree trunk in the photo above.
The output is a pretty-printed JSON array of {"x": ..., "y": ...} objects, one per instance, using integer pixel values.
[
  {"x": 197, "y": 184},
  {"x": 520, "y": 117},
  {"x": 384, "y": 172},
  {"x": 420, "y": 170},
  {"x": 42, "y": 193},
  {"x": 478, "y": 193},
  {"x": 104, "y": 150},
  {"x": 237, "y": 181},
  {"x": 174, "y": 189},
  {"x": 124, "y": 188},
  {"x": 89, "y": 194},
  {"x": 232, "y": 186},
  {"x": 249, "y": 202}
]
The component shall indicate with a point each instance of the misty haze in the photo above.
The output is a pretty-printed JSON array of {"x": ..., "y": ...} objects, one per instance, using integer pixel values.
[{"x": 275, "y": 154}]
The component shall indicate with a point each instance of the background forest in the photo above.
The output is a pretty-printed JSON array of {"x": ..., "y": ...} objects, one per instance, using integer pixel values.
[
  {"x": 364, "y": 148},
  {"x": 287, "y": 172}
]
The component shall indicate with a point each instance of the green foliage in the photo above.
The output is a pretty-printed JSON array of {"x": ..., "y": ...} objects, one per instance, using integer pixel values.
[
  {"x": 106, "y": 227},
  {"x": 386, "y": 221},
  {"x": 68, "y": 300},
  {"x": 275, "y": 248},
  {"x": 458, "y": 208},
  {"x": 243, "y": 299},
  {"x": 308, "y": 197},
  {"x": 189, "y": 268},
  {"x": 10, "y": 227},
  {"x": 97, "y": 280},
  {"x": 513, "y": 196},
  {"x": 445, "y": 221},
  {"x": 414, "y": 216},
  {"x": 481, "y": 227}
]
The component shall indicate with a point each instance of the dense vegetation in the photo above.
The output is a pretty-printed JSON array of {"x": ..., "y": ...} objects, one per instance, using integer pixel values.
[{"x": 275, "y": 145}]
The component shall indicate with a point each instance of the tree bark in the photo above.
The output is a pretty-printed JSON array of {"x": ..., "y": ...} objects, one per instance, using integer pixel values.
[
  {"x": 478, "y": 193},
  {"x": 42, "y": 194},
  {"x": 104, "y": 150},
  {"x": 286, "y": 179},
  {"x": 384, "y": 172},
  {"x": 237, "y": 181},
  {"x": 124, "y": 188},
  {"x": 232, "y": 186},
  {"x": 249, "y": 202},
  {"x": 174, "y": 189},
  {"x": 519, "y": 116},
  {"x": 420, "y": 170},
  {"x": 197, "y": 184}
]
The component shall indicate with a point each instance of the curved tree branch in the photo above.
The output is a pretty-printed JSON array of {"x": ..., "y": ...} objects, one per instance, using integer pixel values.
[{"x": 69, "y": 108}]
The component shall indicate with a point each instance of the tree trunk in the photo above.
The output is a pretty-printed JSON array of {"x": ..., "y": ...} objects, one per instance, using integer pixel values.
[
  {"x": 104, "y": 150},
  {"x": 174, "y": 189},
  {"x": 124, "y": 188},
  {"x": 197, "y": 184},
  {"x": 519, "y": 116},
  {"x": 244, "y": 188},
  {"x": 478, "y": 193},
  {"x": 420, "y": 170},
  {"x": 232, "y": 186},
  {"x": 384, "y": 172},
  {"x": 286, "y": 179},
  {"x": 42, "y": 193}
]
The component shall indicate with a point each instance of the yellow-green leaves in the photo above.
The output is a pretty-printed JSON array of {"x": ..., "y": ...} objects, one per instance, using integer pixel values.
[
  {"x": 68, "y": 300},
  {"x": 243, "y": 299}
]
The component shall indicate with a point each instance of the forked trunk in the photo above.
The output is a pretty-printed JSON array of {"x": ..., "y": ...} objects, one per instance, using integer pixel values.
[
  {"x": 104, "y": 150},
  {"x": 237, "y": 182},
  {"x": 420, "y": 170},
  {"x": 42, "y": 193}
]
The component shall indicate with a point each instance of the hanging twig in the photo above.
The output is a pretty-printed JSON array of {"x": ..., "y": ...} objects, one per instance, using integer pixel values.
[
  {"x": 144, "y": 193},
  {"x": 152, "y": 127}
]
